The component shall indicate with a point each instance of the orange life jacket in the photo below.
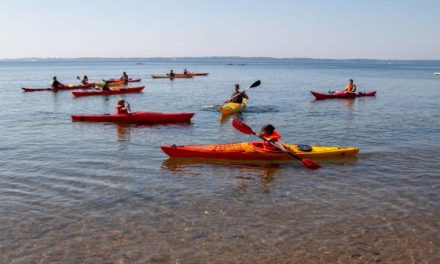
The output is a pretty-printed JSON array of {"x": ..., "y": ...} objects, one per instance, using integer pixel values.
[{"x": 274, "y": 137}]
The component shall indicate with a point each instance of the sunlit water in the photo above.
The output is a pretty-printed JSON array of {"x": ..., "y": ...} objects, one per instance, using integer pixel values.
[{"x": 105, "y": 193}]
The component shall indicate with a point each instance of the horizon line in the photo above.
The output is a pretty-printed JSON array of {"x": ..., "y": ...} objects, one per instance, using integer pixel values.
[{"x": 213, "y": 57}]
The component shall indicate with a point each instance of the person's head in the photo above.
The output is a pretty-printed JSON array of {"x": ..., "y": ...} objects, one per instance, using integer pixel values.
[
  {"x": 54, "y": 78},
  {"x": 236, "y": 87},
  {"x": 172, "y": 71},
  {"x": 121, "y": 102},
  {"x": 124, "y": 73},
  {"x": 267, "y": 130},
  {"x": 351, "y": 81},
  {"x": 85, "y": 77}
]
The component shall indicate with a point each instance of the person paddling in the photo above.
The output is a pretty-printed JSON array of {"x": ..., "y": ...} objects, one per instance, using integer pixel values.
[
  {"x": 172, "y": 74},
  {"x": 269, "y": 134},
  {"x": 124, "y": 77},
  {"x": 106, "y": 86},
  {"x": 185, "y": 71},
  {"x": 237, "y": 96},
  {"x": 122, "y": 107},
  {"x": 351, "y": 87},
  {"x": 56, "y": 84},
  {"x": 85, "y": 80}
]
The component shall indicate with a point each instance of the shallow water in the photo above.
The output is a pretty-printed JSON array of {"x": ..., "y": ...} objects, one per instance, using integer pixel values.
[{"x": 94, "y": 193}]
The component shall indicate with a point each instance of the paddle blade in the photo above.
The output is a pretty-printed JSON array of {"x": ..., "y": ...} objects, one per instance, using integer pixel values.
[
  {"x": 310, "y": 164},
  {"x": 242, "y": 127},
  {"x": 255, "y": 84}
]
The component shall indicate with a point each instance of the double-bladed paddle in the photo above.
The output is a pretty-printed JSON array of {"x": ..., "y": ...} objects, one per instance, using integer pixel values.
[
  {"x": 244, "y": 128},
  {"x": 255, "y": 84}
]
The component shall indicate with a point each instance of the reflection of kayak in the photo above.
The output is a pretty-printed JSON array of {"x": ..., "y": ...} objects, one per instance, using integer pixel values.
[
  {"x": 233, "y": 108},
  {"x": 255, "y": 151},
  {"x": 169, "y": 77},
  {"x": 111, "y": 84},
  {"x": 62, "y": 88},
  {"x": 137, "y": 117},
  {"x": 111, "y": 92},
  {"x": 342, "y": 95}
]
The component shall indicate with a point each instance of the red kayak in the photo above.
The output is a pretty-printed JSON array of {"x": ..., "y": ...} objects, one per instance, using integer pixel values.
[
  {"x": 113, "y": 91},
  {"x": 130, "y": 80},
  {"x": 342, "y": 95},
  {"x": 137, "y": 117},
  {"x": 62, "y": 88}
]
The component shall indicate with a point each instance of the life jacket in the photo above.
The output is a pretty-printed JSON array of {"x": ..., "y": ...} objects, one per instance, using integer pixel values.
[
  {"x": 350, "y": 88},
  {"x": 274, "y": 137}
]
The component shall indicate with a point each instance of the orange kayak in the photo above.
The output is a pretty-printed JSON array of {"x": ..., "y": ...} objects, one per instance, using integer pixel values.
[{"x": 255, "y": 151}]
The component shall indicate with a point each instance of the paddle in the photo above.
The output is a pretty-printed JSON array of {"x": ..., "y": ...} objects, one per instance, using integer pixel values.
[
  {"x": 255, "y": 84},
  {"x": 244, "y": 128}
]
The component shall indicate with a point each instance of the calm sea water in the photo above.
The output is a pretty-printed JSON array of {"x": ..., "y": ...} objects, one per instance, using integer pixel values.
[{"x": 105, "y": 193}]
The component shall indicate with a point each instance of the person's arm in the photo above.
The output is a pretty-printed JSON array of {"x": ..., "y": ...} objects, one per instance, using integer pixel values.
[{"x": 244, "y": 95}]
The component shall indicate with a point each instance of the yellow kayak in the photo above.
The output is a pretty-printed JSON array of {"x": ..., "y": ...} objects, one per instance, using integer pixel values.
[
  {"x": 256, "y": 151},
  {"x": 233, "y": 108},
  {"x": 112, "y": 84}
]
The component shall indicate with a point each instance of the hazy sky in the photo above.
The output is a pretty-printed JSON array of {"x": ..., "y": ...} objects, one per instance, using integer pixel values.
[{"x": 379, "y": 29}]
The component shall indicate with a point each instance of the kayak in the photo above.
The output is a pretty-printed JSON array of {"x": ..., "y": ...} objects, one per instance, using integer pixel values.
[
  {"x": 110, "y": 92},
  {"x": 436, "y": 73},
  {"x": 169, "y": 77},
  {"x": 130, "y": 80},
  {"x": 342, "y": 95},
  {"x": 193, "y": 74},
  {"x": 62, "y": 88},
  {"x": 111, "y": 84},
  {"x": 233, "y": 108},
  {"x": 137, "y": 117},
  {"x": 255, "y": 151}
]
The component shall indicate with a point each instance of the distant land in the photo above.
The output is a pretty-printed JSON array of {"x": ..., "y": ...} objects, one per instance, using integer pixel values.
[{"x": 232, "y": 59}]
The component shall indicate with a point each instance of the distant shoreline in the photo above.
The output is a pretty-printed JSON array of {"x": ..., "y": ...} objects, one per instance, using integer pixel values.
[{"x": 232, "y": 59}]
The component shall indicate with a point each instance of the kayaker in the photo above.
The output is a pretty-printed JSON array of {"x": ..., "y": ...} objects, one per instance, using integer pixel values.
[
  {"x": 185, "y": 71},
  {"x": 122, "y": 107},
  {"x": 56, "y": 84},
  {"x": 269, "y": 133},
  {"x": 85, "y": 80},
  {"x": 237, "y": 96},
  {"x": 351, "y": 87},
  {"x": 106, "y": 86},
  {"x": 124, "y": 77},
  {"x": 171, "y": 74}
]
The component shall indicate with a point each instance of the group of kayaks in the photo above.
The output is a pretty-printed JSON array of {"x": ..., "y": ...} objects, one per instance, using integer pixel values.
[
  {"x": 229, "y": 151},
  {"x": 117, "y": 84}
]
